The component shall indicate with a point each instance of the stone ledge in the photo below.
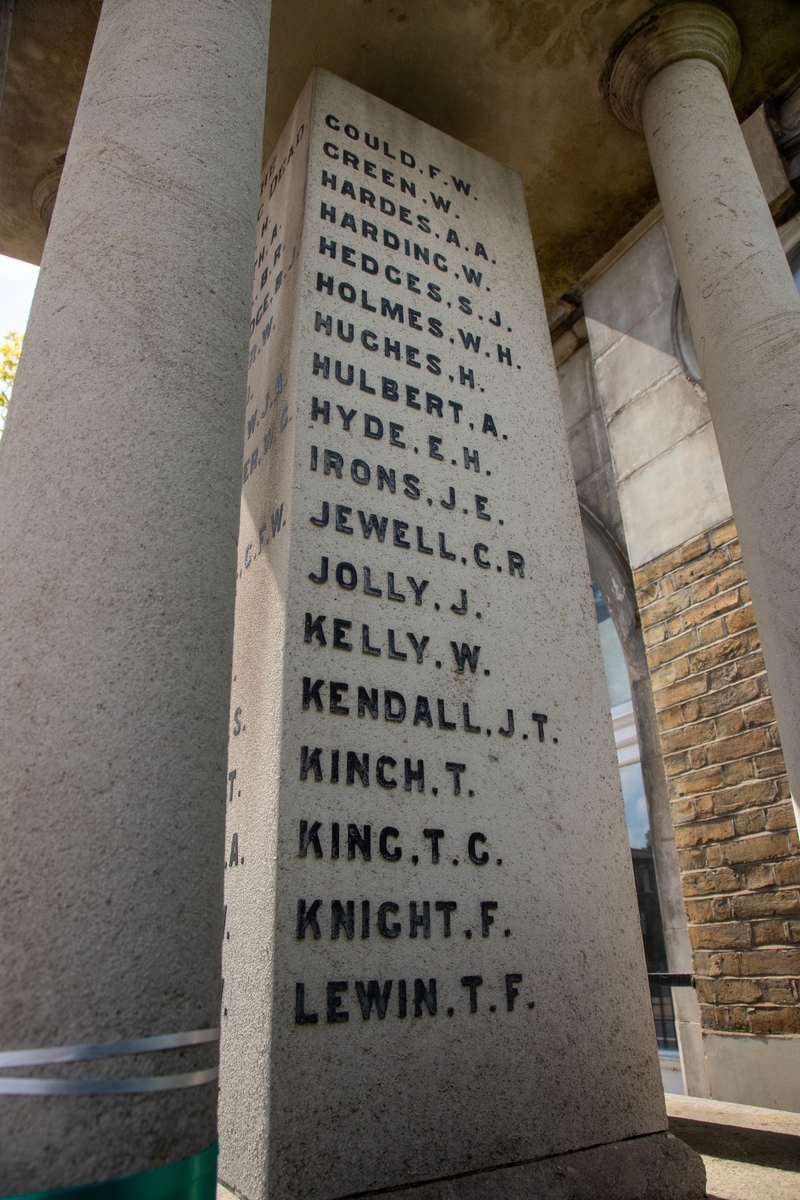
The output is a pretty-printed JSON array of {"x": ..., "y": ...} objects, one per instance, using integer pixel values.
[{"x": 657, "y": 1166}]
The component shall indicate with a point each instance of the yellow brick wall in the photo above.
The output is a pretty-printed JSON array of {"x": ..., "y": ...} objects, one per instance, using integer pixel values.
[{"x": 734, "y": 824}]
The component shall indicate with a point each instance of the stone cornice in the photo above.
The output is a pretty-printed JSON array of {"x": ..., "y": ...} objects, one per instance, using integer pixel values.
[{"x": 664, "y": 35}]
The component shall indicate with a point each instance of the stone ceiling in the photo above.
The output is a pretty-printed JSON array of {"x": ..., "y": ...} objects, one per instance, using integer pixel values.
[{"x": 516, "y": 79}]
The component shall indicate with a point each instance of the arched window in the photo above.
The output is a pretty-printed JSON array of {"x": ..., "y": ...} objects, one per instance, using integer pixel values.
[{"x": 638, "y": 820}]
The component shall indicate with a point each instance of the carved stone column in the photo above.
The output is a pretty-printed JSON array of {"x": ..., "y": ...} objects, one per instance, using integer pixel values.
[
  {"x": 668, "y": 75},
  {"x": 119, "y": 498}
]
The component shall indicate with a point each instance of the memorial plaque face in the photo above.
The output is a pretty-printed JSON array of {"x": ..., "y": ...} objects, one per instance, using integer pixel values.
[{"x": 432, "y": 959}]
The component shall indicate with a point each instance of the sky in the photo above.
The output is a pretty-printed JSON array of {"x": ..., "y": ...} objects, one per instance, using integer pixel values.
[{"x": 17, "y": 281}]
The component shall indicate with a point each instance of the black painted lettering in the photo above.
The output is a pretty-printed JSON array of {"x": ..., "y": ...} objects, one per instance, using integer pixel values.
[
  {"x": 307, "y": 919},
  {"x": 372, "y": 994},
  {"x": 309, "y": 836},
  {"x": 487, "y": 920},
  {"x": 479, "y": 859},
  {"x": 434, "y": 836},
  {"x": 473, "y": 982},
  {"x": 418, "y": 588},
  {"x": 373, "y": 427},
  {"x": 419, "y": 646},
  {"x": 419, "y": 921},
  {"x": 443, "y": 722},
  {"x": 314, "y": 629},
  {"x": 390, "y": 590},
  {"x": 323, "y": 410},
  {"x": 342, "y": 513},
  {"x": 343, "y": 918},
  {"x": 394, "y": 706},
  {"x": 388, "y": 478},
  {"x": 310, "y": 762},
  {"x": 384, "y": 761},
  {"x": 368, "y": 701},
  {"x": 516, "y": 564},
  {"x": 414, "y": 776},
  {"x": 373, "y": 522},
  {"x": 368, "y": 588},
  {"x": 332, "y": 461},
  {"x": 511, "y": 991},
  {"x": 395, "y": 853},
  {"x": 340, "y": 628},
  {"x": 424, "y": 995},
  {"x": 468, "y": 726},
  {"x": 311, "y": 693},
  {"x": 366, "y": 648},
  {"x": 456, "y": 769},
  {"x": 446, "y": 908},
  {"x": 400, "y": 529},
  {"x": 301, "y": 1017},
  {"x": 467, "y": 654},
  {"x": 384, "y": 928},
  {"x": 393, "y": 652},
  {"x": 357, "y": 766},
  {"x": 335, "y": 1011},
  {"x": 508, "y": 732},
  {"x": 346, "y": 576}
]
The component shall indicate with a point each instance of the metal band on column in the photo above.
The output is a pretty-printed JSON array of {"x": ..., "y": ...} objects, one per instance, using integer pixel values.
[{"x": 16, "y": 1086}]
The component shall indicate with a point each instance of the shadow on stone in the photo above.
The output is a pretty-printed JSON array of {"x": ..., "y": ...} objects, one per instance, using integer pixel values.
[{"x": 760, "y": 1147}]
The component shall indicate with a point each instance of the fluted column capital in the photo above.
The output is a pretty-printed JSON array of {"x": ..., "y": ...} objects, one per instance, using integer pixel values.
[{"x": 664, "y": 35}]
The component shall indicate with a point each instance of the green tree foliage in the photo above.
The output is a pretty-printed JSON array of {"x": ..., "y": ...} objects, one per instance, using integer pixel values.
[{"x": 9, "y": 358}]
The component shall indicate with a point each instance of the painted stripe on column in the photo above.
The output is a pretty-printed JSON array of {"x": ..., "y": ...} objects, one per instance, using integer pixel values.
[{"x": 192, "y": 1178}]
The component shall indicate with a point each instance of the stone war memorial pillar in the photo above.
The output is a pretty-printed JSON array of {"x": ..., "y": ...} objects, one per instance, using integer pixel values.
[{"x": 432, "y": 962}]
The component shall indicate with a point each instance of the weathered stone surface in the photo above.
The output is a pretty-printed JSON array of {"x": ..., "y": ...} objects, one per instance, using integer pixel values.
[
  {"x": 741, "y": 298},
  {"x": 658, "y": 1167},
  {"x": 432, "y": 958},
  {"x": 118, "y": 494},
  {"x": 655, "y": 1167}
]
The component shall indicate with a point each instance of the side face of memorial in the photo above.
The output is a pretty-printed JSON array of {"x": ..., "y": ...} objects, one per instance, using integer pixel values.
[{"x": 432, "y": 959}]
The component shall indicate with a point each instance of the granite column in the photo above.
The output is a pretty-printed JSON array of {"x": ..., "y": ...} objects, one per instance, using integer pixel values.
[
  {"x": 118, "y": 513},
  {"x": 668, "y": 75}
]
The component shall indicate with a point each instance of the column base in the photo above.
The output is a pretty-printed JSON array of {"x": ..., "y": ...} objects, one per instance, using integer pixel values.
[{"x": 655, "y": 1167}]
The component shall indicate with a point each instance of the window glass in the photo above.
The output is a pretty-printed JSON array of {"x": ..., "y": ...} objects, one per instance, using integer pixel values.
[
  {"x": 617, "y": 680},
  {"x": 638, "y": 820},
  {"x": 794, "y": 263},
  {"x": 635, "y": 806}
]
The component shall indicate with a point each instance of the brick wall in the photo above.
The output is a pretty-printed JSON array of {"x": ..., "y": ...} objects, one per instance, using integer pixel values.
[{"x": 734, "y": 824}]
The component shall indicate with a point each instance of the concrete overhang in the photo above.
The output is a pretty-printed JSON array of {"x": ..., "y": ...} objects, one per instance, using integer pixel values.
[{"x": 516, "y": 79}]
